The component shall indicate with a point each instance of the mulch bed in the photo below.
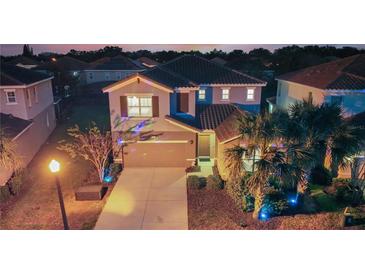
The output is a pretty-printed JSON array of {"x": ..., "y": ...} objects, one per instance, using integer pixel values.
[{"x": 214, "y": 209}]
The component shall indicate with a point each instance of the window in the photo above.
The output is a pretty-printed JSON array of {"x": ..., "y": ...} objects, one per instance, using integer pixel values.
[
  {"x": 139, "y": 106},
  {"x": 201, "y": 94},
  {"x": 10, "y": 97},
  {"x": 91, "y": 76},
  {"x": 119, "y": 75},
  {"x": 250, "y": 94},
  {"x": 107, "y": 76},
  {"x": 225, "y": 94}
]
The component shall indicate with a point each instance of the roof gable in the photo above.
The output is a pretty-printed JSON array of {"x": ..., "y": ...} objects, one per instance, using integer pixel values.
[
  {"x": 17, "y": 76},
  {"x": 343, "y": 74}
]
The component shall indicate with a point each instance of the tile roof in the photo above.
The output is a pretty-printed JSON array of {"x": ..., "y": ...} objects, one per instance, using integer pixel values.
[
  {"x": 202, "y": 71},
  {"x": 343, "y": 74},
  {"x": 12, "y": 125},
  {"x": 66, "y": 63},
  {"x": 115, "y": 63},
  {"x": 228, "y": 129},
  {"x": 168, "y": 78},
  {"x": 208, "y": 117},
  {"x": 11, "y": 75},
  {"x": 219, "y": 60}
]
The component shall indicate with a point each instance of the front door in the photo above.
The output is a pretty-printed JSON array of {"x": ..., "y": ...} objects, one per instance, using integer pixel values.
[{"x": 204, "y": 146}]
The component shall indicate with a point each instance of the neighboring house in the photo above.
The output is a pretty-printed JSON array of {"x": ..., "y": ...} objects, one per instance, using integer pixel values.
[
  {"x": 146, "y": 62},
  {"x": 27, "y": 111},
  {"x": 192, "y": 103},
  {"x": 341, "y": 81},
  {"x": 110, "y": 69},
  {"x": 24, "y": 62},
  {"x": 65, "y": 63}
]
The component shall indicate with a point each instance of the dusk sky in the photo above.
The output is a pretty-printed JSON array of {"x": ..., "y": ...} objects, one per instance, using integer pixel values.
[{"x": 15, "y": 49}]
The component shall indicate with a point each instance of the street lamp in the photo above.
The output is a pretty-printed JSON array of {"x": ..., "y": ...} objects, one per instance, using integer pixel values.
[{"x": 54, "y": 167}]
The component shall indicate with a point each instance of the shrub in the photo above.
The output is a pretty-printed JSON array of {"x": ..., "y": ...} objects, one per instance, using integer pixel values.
[
  {"x": 194, "y": 182},
  {"x": 307, "y": 204},
  {"x": 214, "y": 183},
  {"x": 320, "y": 176},
  {"x": 192, "y": 169},
  {"x": 4, "y": 193},
  {"x": 17, "y": 181},
  {"x": 275, "y": 202}
]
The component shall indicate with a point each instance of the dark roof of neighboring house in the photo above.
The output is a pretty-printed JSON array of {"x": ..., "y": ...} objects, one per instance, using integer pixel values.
[
  {"x": 66, "y": 63},
  {"x": 11, "y": 75},
  {"x": 202, "y": 71},
  {"x": 343, "y": 74},
  {"x": 147, "y": 62},
  {"x": 115, "y": 63},
  {"x": 219, "y": 60},
  {"x": 11, "y": 125},
  {"x": 208, "y": 117},
  {"x": 24, "y": 61}
]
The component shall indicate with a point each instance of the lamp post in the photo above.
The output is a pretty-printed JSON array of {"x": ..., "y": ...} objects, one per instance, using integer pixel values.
[{"x": 54, "y": 167}]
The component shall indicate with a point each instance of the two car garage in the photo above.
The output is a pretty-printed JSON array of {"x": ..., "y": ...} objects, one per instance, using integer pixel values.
[{"x": 175, "y": 149}]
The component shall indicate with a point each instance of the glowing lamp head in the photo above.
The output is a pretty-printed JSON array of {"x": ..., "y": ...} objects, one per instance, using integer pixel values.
[{"x": 54, "y": 166}]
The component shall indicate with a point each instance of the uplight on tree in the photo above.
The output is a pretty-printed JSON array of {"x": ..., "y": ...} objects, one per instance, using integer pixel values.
[{"x": 54, "y": 166}]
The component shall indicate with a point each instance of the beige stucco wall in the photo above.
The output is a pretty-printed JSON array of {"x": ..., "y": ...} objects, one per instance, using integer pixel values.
[
  {"x": 236, "y": 95},
  {"x": 220, "y": 157},
  {"x": 292, "y": 92},
  {"x": 28, "y": 143},
  {"x": 141, "y": 88}
]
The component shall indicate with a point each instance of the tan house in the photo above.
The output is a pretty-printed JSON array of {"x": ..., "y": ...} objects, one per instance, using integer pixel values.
[
  {"x": 191, "y": 102},
  {"x": 27, "y": 113},
  {"x": 341, "y": 81}
]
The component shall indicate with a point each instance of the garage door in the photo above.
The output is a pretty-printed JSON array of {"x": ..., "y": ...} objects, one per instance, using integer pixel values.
[{"x": 160, "y": 154}]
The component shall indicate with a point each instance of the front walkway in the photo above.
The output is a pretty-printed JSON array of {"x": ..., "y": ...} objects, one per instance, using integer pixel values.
[{"x": 147, "y": 198}]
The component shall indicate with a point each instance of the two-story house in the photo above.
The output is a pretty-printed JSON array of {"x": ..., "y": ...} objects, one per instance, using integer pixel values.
[
  {"x": 27, "y": 114},
  {"x": 110, "y": 69},
  {"x": 191, "y": 102},
  {"x": 341, "y": 81}
]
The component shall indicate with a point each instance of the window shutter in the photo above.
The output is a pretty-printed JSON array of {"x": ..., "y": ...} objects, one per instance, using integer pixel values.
[
  {"x": 155, "y": 106},
  {"x": 183, "y": 102},
  {"x": 123, "y": 106}
]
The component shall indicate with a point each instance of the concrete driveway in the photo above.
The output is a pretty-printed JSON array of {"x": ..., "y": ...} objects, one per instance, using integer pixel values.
[{"x": 147, "y": 198}]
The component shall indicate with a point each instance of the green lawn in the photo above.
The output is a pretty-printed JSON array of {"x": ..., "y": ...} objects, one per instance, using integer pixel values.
[{"x": 37, "y": 205}]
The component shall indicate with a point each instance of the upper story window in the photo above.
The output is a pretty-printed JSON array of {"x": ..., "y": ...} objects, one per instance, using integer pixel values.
[
  {"x": 107, "y": 76},
  {"x": 250, "y": 94},
  {"x": 139, "y": 106},
  {"x": 91, "y": 75},
  {"x": 225, "y": 94},
  {"x": 10, "y": 97},
  {"x": 201, "y": 95}
]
